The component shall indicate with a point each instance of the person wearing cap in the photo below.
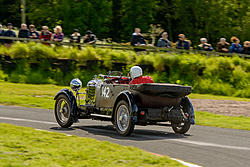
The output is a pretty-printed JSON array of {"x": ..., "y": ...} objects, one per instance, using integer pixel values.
[
  {"x": 182, "y": 43},
  {"x": 33, "y": 33},
  {"x": 45, "y": 34},
  {"x": 204, "y": 45},
  {"x": 75, "y": 37},
  {"x": 1, "y": 33},
  {"x": 223, "y": 46},
  {"x": 23, "y": 32},
  {"x": 163, "y": 41},
  {"x": 58, "y": 35},
  {"x": 89, "y": 38},
  {"x": 235, "y": 46},
  {"x": 9, "y": 33},
  {"x": 137, "y": 78}
]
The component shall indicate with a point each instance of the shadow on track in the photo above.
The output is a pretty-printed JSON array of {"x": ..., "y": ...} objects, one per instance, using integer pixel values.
[{"x": 137, "y": 135}]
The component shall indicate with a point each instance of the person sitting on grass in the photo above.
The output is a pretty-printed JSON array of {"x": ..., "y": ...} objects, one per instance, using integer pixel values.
[
  {"x": 58, "y": 35},
  {"x": 164, "y": 42},
  {"x": 23, "y": 32},
  {"x": 204, "y": 45},
  {"x": 137, "y": 38},
  {"x": 89, "y": 38},
  {"x": 33, "y": 33},
  {"x": 235, "y": 46},
  {"x": 1, "y": 34},
  {"x": 223, "y": 46},
  {"x": 137, "y": 78},
  {"x": 45, "y": 34},
  {"x": 182, "y": 43},
  {"x": 9, "y": 33},
  {"x": 246, "y": 46}
]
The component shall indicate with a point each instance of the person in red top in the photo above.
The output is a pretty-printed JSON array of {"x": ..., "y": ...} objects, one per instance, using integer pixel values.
[
  {"x": 45, "y": 34},
  {"x": 137, "y": 78}
]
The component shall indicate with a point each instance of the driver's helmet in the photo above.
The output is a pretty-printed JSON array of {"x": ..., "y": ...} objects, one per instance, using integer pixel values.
[{"x": 135, "y": 72}]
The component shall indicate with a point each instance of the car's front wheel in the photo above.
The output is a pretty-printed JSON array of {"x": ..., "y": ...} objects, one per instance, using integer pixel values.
[
  {"x": 122, "y": 119},
  {"x": 62, "y": 111}
]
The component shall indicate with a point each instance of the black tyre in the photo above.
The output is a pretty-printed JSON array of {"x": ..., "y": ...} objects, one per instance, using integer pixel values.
[
  {"x": 122, "y": 120},
  {"x": 62, "y": 111},
  {"x": 182, "y": 128}
]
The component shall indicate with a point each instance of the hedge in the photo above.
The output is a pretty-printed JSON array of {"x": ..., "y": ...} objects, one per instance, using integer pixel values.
[{"x": 41, "y": 64}]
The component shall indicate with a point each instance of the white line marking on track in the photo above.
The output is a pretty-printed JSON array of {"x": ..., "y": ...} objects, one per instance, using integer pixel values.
[
  {"x": 178, "y": 160},
  {"x": 185, "y": 163},
  {"x": 28, "y": 120},
  {"x": 177, "y": 140},
  {"x": 211, "y": 144}
]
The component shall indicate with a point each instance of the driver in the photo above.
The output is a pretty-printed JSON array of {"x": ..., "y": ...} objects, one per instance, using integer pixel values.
[{"x": 137, "y": 78}]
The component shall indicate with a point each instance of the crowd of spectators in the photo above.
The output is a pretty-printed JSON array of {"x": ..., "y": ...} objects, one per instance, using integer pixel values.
[
  {"x": 136, "y": 40},
  {"x": 183, "y": 43},
  {"x": 44, "y": 35}
]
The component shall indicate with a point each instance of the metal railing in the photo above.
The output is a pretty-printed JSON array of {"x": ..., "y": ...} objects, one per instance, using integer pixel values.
[{"x": 128, "y": 47}]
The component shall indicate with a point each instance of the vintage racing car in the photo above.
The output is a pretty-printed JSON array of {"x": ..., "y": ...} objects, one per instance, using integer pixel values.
[{"x": 111, "y": 98}]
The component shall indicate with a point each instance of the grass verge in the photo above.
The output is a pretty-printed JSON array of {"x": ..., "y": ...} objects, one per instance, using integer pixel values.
[
  {"x": 24, "y": 148},
  {"x": 222, "y": 121},
  {"x": 41, "y": 96},
  {"x": 214, "y": 97}
]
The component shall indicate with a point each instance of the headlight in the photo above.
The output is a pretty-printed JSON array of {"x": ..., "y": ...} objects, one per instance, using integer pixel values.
[{"x": 76, "y": 84}]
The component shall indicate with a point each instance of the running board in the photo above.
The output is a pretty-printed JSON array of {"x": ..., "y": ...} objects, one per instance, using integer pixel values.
[{"x": 102, "y": 116}]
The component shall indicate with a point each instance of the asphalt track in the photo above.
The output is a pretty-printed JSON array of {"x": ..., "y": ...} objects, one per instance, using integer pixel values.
[{"x": 205, "y": 146}]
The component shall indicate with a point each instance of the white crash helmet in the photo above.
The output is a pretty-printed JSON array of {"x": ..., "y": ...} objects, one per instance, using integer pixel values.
[{"x": 135, "y": 72}]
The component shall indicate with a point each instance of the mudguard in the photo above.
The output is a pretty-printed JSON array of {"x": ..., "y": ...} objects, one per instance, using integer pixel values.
[
  {"x": 189, "y": 104},
  {"x": 72, "y": 98},
  {"x": 126, "y": 95}
]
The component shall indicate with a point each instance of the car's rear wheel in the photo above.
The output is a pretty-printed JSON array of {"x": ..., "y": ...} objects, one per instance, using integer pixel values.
[
  {"x": 62, "y": 111},
  {"x": 181, "y": 128},
  {"x": 122, "y": 119}
]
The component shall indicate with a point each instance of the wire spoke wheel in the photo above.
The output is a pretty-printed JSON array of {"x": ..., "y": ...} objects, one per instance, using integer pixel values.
[
  {"x": 62, "y": 111},
  {"x": 122, "y": 119},
  {"x": 184, "y": 126}
]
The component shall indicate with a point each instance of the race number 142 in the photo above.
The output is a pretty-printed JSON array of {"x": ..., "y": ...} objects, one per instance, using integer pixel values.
[{"x": 105, "y": 92}]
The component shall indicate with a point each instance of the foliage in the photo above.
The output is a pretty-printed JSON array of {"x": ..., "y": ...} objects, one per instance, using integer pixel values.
[
  {"x": 117, "y": 19},
  {"x": 37, "y": 63},
  {"x": 30, "y": 147}
]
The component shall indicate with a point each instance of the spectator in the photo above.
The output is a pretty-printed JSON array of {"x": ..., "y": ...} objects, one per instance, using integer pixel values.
[
  {"x": 1, "y": 33},
  {"x": 235, "y": 46},
  {"x": 9, "y": 33},
  {"x": 246, "y": 45},
  {"x": 164, "y": 42},
  {"x": 23, "y": 32},
  {"x": 45, "y": 34},
  {"x": 33, "y": 33},
  {"x": 58, "y": 35},
  {"x": 182, "y": 43},
  {"x": 89, "y": 38},
  {"x": 223, "y": 46},
  {"x": 137, "y": 38},
  {"x": 75, "y": 37},
  {"x": 204, "y": 45}
]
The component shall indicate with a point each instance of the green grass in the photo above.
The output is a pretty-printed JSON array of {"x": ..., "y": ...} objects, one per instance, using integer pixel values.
[
  {"x": 21, "y": 146},
  {"x": 28, "y": 95},
  {"x": 215, "y": 97},
  {"x": 222, "y": 121},
  {"x": 41, "y": 96}
]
